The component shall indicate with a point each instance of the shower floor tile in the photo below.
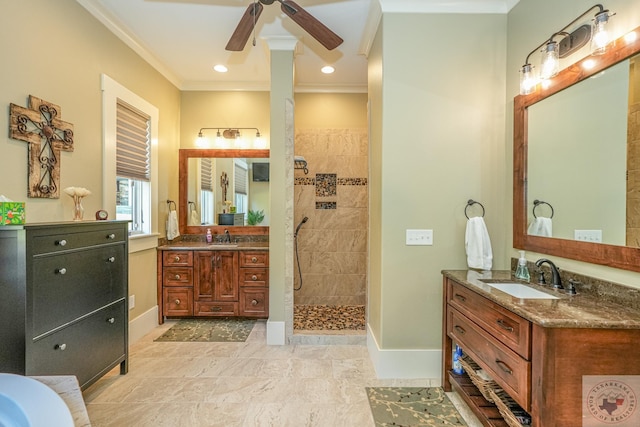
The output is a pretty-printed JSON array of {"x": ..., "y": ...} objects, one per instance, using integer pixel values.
[{"x": 328, "y": 318}]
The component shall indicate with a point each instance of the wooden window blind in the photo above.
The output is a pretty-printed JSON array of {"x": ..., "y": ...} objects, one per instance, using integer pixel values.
[
  {"x": 241, "y": 177},
  {"x": 132, "y": 143},
  {"x": 206, "y": 180}
]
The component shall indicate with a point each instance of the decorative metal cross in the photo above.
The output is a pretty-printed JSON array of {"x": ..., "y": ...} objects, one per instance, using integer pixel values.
[
  {"x": 47, "y": 135},
  {"x": 224, "y": 183}
]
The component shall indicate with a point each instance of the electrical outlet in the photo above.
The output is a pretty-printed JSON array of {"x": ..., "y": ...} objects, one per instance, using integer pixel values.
[
  {"x": 419, "y": 237},
  {"x": 132, "y": 302},
  {"x": 588, "y": 235}
]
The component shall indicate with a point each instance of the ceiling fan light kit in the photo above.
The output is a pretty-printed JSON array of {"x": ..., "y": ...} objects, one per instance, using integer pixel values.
[{"x": 304, "y": 19}]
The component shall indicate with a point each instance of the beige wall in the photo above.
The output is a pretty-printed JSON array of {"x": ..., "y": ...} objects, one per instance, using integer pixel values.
[
  {"x": 57, "y": 51},
  {"x": 529, "y": 24},
  {"x": 439, "y": 143}
]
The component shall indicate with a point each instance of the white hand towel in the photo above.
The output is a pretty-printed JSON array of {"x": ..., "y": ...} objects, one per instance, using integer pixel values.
[
  {"x": 478, "y": 244},
  {"x": 541, "y": 226},
  {"x": 194, "y": 219},
  {"x": 172, "y": 225}
]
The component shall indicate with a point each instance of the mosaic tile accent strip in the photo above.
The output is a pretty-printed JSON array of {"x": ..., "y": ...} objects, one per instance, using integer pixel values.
[
  {"x": 304, "y": 181},
  {"x": 225, "y": 329},
  {"x": 352, "y": 181},
  {"x": 326, "y": 184},
  {"x": 327, "y": 317},
  {"x": 412, "y": 406},
  {"x": 326, "y": 205}
]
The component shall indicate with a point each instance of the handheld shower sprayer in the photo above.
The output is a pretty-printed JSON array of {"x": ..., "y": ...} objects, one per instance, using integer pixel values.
[
  {"x": 295, "y": 241},
  {"x": 305, "y": 219}
]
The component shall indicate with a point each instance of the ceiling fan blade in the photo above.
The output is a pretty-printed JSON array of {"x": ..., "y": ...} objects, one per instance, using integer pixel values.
[
  {"x": 240, "y": 36},
  {"x": 311, "y": 25}
]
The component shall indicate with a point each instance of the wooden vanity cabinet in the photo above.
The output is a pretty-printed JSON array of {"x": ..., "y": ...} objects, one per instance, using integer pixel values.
[
  {"x": 541, "y": 368},
  {"x": 213, "y": 283}
]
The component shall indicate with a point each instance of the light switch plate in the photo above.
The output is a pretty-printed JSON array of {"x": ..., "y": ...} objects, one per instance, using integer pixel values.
[
  {"x": 588, "y": 235},
  {"x": 419, "y": 237}
]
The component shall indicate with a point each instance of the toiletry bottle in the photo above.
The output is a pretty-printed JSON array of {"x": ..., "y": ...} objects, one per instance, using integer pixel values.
[
  {"x": 457, "y": 355},
  {"x": 522, "y": 272},
  {"x": 209, "y": 236}
]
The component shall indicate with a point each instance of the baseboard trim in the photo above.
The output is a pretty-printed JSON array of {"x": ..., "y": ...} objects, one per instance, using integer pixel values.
[
  {"x": 143, "y": 324},
  {"x": 275, "y": 333},
  {"x": 404, "y": 363}
]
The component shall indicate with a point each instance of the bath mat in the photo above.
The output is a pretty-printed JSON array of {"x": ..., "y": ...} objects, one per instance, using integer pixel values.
[
  {"x": 412, "y": 406},
  {"x": 224, "y": 329},
  {"x": 328, "y": 317}
]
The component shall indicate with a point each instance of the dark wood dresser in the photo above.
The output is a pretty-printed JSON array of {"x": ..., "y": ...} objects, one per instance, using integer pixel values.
[{"x": 63, "y": 299}]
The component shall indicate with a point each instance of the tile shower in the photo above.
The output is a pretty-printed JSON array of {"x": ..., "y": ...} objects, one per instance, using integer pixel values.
[{"x": 332, "y": 245}]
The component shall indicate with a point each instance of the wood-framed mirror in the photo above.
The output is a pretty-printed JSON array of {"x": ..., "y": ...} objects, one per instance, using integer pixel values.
[
  {"x": 187, "y": 180},
  {"x": 625, "y": 254}
]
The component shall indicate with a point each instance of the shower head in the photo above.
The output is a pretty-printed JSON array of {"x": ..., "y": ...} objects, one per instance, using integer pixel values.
[{"x": 305, "y": 219}]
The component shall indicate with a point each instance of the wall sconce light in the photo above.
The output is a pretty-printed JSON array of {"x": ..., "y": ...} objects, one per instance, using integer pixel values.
[
  {"x": 227, "y": 133},
  {"x": 553, "y": 50}
]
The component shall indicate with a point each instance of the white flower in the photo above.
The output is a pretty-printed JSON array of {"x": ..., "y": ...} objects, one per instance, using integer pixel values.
[{"x": 77, "y": 192}]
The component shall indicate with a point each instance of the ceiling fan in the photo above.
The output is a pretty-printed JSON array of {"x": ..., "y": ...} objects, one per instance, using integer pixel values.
[{"x": 311, "y": 25}]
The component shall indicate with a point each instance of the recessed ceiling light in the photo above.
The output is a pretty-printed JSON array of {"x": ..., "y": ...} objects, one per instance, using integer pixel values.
[
  {"x": 220, "y": 68},
  {"x": 328, "y": 69}
]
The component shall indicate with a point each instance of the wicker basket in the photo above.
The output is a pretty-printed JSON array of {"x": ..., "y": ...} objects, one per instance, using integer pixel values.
[
  {"x": 470, "y": 367},
  {"x": 505, "y": 404}
]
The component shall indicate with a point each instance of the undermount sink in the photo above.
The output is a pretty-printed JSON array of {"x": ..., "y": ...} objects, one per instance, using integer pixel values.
[{"x": 519, "y": 290}]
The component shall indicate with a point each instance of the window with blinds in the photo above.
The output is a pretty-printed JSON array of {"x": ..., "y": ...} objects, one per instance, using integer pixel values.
[
  {"x": 206, "y": 180},
  {"x": 132, "y": 143},
  {"x": 241, "y": 178}
]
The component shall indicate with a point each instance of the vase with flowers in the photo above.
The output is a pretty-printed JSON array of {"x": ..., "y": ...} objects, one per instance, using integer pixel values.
[{"x": 77, "y": 193}]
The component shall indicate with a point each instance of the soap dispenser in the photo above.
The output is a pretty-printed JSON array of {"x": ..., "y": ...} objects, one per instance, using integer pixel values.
[{"x": 522, "y": 272}]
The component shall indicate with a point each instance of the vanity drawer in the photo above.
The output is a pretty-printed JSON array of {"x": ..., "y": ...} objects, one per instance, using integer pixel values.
[
  {"x": 254, "y": 277},
  {"x": 43, "y": 242},
  {"x": 509, "y": 370},
  {"x": 216, "y": 309},
  {"x": 509, "y": 328},
  {"x": 254, "y": 302},
  {"x": 254, "y": 259},
  {"x": 178, "y": 301},
  {"x": 177, "y": 276},
  {"x": 177, "y": 258}
]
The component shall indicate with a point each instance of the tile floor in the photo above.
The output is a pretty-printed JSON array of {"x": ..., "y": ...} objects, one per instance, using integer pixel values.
[{"x": 240, "y": 384}]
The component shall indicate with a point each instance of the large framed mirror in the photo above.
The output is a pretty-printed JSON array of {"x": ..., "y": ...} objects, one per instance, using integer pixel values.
[
  {"x": 574, "y": 161},
  {"x": 202, "y": 198}
]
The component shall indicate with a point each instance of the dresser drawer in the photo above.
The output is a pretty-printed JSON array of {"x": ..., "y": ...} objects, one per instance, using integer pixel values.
[
  {"x": 254, "y": 277},
  {"x": 76, "y": 238},
  {"x": 177, "y": 276},
  {"x": 84, "y": 348},
  {"x": 254, "y": 259},
  {"x": 509, "y": 328},
  {"x": 178, "y": 301},
  {"x": 216, "y": 309},
  {"x": 508, "y": 369},
  {"x": 254, "y": 302},
  {"x": 177, "y": 258},
  {"x": 70, "y": 284}
]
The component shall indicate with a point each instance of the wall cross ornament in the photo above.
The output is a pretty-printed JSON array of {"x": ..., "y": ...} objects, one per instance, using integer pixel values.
[{"x": 47, "y": 135}]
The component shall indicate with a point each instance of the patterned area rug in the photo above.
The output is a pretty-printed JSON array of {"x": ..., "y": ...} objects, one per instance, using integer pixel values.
[
  {"x": 224, "y": 329},
  {"x": 328, "y": 317},
  {"x": 412, "y": 406}
]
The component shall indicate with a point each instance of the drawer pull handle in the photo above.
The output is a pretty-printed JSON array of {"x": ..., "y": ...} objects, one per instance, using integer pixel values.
[
  {"x": 61, "y": 242},
  {"x": 61, "y": 347},
  {"x": 177, "y": 301},
  {"x": 216, "y": 308},
  {"x": 504, "y": 326},
  {"x": 254, "y": 260},
  {"x": 254, "y": 277},
  {"x": 461, "y": 297},
  {"x": 504, "y": 367},
  {"x": 61, "y": 271},
  {"x": 112, "y": 259},
  {"x": 111, "y": 236},
  {"x": 177, "y": 277},
  {"x": 176, "y": 259},
  {"x": 460, "y": 329},
  {"x": 254, "y": 302},
  {"x": 111, "y": 320}
]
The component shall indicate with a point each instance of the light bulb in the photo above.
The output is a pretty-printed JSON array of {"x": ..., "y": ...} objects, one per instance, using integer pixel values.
[
  {"x": 527, "y": 80},
  {"x": 550, "y": 63},
  {"x": 599, "y": 34},
  {"x": 201, "y": 141}
]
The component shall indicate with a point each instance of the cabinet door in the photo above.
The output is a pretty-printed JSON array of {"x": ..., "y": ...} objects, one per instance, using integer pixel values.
[{"x": 216, "y": 276}]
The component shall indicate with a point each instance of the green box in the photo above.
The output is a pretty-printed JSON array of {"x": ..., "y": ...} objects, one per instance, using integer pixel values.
[{"x": 11, "y": 213}]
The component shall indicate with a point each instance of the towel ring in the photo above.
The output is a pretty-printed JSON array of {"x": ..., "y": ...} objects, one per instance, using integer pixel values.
[
  {"x": 171, "y": 202},
  {"x": 192, "y": 206},
  {"x": 537, "y": 203},
  {"x": 472, "y": 202}
]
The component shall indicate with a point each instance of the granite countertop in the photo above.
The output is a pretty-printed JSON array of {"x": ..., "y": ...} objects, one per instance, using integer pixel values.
[
  {"x": 240, "y": 246},
  {"x": 583, "y": 310},
  {"x": 68, "y": 389}
]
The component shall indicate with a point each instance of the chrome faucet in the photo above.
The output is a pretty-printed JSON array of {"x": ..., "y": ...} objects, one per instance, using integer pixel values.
[
  {"x": 227, "y": 236},
  {"x": 555, "y": 273}
]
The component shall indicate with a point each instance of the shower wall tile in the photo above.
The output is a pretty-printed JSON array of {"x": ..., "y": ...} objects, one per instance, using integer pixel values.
[
  {"x": 353, "y": 196},
  {"x": 352, "y": 241},
  {"x": 326, "y": 184},
  {"x": 326, "y": 205},
  {"x": 349, "y": 166},
  {"x": 314, "y": 240},
  {"x": 351, "y": 218}
]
